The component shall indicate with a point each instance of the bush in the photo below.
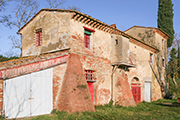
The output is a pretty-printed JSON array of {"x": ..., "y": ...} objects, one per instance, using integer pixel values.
[
  {"x": 172, "y": 88},
  {"x": 1, "y": 117}
]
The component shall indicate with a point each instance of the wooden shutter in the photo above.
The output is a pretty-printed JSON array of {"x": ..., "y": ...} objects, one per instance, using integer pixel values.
[
  {"x": 38, "y": 37},
  {"x": 90, "y": 85},
  {"x": 86, "y": 41}
]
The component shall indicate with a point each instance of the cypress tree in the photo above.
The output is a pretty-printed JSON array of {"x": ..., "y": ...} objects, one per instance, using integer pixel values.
[
  {"x": 165, "y": 19},
  {"x": 172, "y": 68},
  {"x": 178, "y": 57}
]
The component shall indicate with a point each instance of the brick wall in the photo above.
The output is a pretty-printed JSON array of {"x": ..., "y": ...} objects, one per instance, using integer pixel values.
[
  {"x": 74, "y": 95},
  {"x": 102, "y": 70},
  {"x": 58, "y": 76},
  {"x": 1, "y": 96},
  {"x": 123, "y": 94}
]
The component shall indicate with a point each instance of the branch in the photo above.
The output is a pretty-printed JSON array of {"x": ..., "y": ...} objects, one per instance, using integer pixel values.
[{"x": 55, "y": 3}]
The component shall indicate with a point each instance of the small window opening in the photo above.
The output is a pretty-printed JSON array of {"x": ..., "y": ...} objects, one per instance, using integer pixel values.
[
  {"x": 116, "y": 41},
  {"x": 151, "y": 58},
  {"x": 89, "y": 75},
  {"x": 163, "y": 62}
]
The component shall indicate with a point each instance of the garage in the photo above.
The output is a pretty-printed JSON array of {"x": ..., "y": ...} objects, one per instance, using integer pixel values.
[{"x": 28, "y": 95}]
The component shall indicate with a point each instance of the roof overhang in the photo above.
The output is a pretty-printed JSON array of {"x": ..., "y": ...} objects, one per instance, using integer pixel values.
[{"x": 123, "y": 64}]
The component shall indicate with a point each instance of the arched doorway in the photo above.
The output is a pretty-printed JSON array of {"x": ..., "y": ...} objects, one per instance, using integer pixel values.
[{"x": 136, "y": 89}]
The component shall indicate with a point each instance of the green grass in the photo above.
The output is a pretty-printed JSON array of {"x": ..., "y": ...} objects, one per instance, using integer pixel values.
[{"x": 158, "y": 110}]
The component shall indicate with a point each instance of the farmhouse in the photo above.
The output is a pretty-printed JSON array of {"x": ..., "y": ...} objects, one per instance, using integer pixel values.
[{"x": 71, "y": 61}]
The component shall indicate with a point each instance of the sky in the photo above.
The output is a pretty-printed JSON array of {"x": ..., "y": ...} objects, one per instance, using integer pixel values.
[{"x": 123, "y": 13}]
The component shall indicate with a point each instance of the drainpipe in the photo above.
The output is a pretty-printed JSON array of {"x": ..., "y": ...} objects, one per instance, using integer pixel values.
[{"x": 112, "y": 83}]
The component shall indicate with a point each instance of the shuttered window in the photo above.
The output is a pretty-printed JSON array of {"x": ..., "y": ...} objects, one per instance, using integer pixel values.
[
  {"x": 87, "y": 41},
  {"x": 38, "y": 37},
  {"x": 87, "y": 37}
]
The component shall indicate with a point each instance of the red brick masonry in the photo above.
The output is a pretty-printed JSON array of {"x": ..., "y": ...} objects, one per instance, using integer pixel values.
[{"x": 74, "y": 95}]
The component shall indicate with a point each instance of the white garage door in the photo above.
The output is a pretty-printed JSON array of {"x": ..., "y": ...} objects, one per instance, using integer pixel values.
[{"x": 28, "y": 95}]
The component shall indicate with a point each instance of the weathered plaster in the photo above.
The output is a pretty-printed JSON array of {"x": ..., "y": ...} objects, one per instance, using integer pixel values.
[
  {"x": 99, "y": 45},
  {"x": 55, "y": 33},
  {"x": 58, "y": 76},
  {"x": 145, "y": 35}
]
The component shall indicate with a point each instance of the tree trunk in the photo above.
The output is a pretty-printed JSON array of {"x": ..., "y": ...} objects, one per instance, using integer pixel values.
[{"x": 175, "y": 82}]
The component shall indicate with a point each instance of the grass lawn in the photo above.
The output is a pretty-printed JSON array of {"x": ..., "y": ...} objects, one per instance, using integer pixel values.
[{"x": 158, "y": 110}]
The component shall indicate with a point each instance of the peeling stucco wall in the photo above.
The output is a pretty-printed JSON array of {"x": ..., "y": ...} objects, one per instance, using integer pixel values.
[
  {"x": 102, "y": 68},
  {"x": 99, "y": 43},
  {"x": 60, "y": 32},
  {"x": 154, "y": 71},
  {"x": 145, "y": 35},
  {"x": 120, "y": 49},
  {"x": 55, "y": 33},
  {"x": 142, "y": 69}
]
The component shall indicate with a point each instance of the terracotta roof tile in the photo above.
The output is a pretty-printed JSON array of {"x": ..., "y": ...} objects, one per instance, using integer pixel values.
[{"x": 30, "y": 59}]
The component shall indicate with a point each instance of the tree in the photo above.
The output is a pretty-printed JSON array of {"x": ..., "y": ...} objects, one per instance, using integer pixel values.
[
  {"x": 24, "y": 11},
  {"x": 173, "y": 66},
  {"x": 74, "y": 8},
  {"x": 2, "y": 4},
  {"x": 3, "y": 58},
  {"x": 178, "y": 58},
  {"x": 55, "y": 3},
  {"x": 165, "y": 19},
  {"x": 174, "y": 60},
  {"x": 4, "y": 18}
]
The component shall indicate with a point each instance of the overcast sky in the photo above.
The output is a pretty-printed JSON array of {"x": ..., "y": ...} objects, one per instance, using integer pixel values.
[{"x": 123, "y": 13}]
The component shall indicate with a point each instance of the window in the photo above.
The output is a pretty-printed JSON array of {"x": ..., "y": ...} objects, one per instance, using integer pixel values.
[
  {"x": 116, "y": 41},
  {"x": 151, "y": 58},
  {"x": 163, "y": 42},
  {"x": 38, "y": 37},
  {"x": 87, "y": 40},
  {"x": 87, "y": 37},
  {"x": 89, "y": 75},
  {"x": 163, "y": 62}
]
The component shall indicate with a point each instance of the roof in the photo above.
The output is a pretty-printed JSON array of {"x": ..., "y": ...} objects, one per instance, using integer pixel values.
[
  {"x": 25, "y": 65},
  {"x": 70, "y": 11},
  {"x": 94, "y": 23},
  {"x": 159, "y": 30}
]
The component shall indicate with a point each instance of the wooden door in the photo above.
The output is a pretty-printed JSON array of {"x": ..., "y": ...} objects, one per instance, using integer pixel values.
[
  {"x": 90, "y": 85},
  {"x": 136, "y": 91}
]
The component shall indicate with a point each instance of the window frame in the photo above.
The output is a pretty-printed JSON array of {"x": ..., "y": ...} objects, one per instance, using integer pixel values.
[
  {"x": 89, "y": 74},
  {"x": 87, "y": 37},
  {"x": 151, "y": 57},
  {"x": 38, "y": 37}
]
